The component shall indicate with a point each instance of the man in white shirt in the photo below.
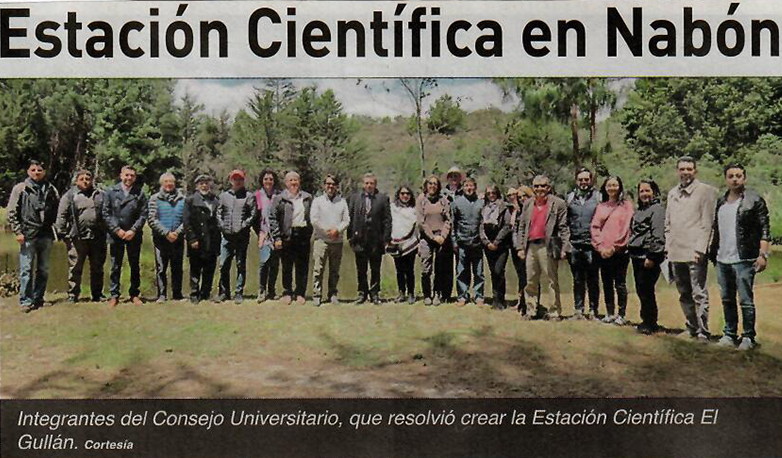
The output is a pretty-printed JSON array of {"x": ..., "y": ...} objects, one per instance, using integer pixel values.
[{"x": 330, "y": 218}]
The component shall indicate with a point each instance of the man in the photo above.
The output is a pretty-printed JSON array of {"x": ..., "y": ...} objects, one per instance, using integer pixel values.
[
  {"x": 452, "y": 189},
  {"x": 291, "y": 228},
  {"x": 166, "y": 209},
  {"x": 689, "y": 216},
  {"x": 740, "y": 248},
  {"x": 369, "y": 234},
  {"x": 268, "y": 257},
  {"x": 202, "y": 229},
  {"x": 125, "y": 213},
  {"x": 543, "y": 239},
  {"x": 581, "y": 205},
  {"x": 236, "y": 213},
  {"x": 453, "y": 186},
  {"x": 466, "y": 211},
  {"x": 330, "y": 218},
  {"x": 32, "y": 211},
  {"x": 79, "y": 224}
]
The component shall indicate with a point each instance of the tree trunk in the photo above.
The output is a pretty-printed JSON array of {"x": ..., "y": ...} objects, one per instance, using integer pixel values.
[
  {"x": 574, "y": 135},
  {"x": 421, "y": 140}
]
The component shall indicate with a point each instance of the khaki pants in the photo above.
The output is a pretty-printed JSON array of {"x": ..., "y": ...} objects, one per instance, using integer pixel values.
[
  {"x": 541, "y": 271},
  {"x": 323, "y": 253}
]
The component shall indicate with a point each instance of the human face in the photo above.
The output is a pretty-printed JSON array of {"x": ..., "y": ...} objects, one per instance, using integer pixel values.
[
  {"x": 293, "y": 184},
  {"x": 513, "y": 198},
  {"x": 36, "y": 173},
  {"x": 330, "y": 187},
  {"x": 237, "y": 183},
  {"x": 491, "y": 195},
  {"x": 84, "y": 181},
  {"x": 168, "y": 184},
  {"x": 370, "y": 184},
  {"x": 735, "y": 179},
  {"x": 687, "y": 172},
  {"x": 431, "y": 187},
  {"x": 455, "y": 180},
  {"x": 645, "y": 193},
  {"x": 405, "y": 195},
  {"x": 204, "y": 186},
  {"x": 541, "y": 188},
  {"x": 468, "y": 188},
  {"x": 128, "y": 177},
  {"x": 268, "y": 182},
  {"x": 612, "y": 189},
  {"x": 584, "y": 181}
]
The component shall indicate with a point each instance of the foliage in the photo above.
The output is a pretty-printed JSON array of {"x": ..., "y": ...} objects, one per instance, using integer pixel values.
[{"x": 445, "y": 116}]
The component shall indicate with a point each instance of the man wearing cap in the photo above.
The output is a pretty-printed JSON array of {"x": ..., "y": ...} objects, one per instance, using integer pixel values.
[
  {"x": 236, "y": 213},
  {"x": 202, "y": 230}
]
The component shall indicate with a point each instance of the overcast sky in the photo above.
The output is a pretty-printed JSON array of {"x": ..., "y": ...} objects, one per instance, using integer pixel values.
[{"x": 371, "y": 97}]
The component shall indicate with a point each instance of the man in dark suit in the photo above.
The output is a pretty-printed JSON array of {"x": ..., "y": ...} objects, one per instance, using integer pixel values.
[{"x": 369, "y": 232}]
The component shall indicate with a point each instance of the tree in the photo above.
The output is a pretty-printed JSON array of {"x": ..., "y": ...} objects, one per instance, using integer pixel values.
[
  {"x": 445, "y": 116},
  {"x": 417, "y": 89}
]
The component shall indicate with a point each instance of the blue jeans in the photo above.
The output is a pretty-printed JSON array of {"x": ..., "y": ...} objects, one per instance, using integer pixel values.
[
  {"x": 733, "y": 278},
  {"x": 33, "y": 270},
  {"x": 469, "y": 267},
  {"x": 230, "y": 248}
]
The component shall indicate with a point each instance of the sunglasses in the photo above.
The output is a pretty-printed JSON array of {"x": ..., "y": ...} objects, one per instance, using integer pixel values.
[
  {"x": 404, "y": 193},
  {"x": 540, "y": 186}
]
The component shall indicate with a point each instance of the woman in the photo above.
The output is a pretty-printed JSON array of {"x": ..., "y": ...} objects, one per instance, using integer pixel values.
[
  {"x": 647, "y": 250},
  {"x": 404, "y": 243},
  {"x": 495, "y": 236},
  {"x": 516, "y": 198},
  {"x": 269, "y": 258},
  {"x": 610, "y": 234},
  {"x": 433, "y": 213}
]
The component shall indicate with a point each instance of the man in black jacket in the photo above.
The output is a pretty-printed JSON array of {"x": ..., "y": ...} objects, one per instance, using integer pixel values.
[
  {"x": 581, "y": 205},
  {"x": 369, "y": 233},
  {"x": 740, "y": 249},
  {"x": 80, "y": 225},
  {"x": 125, "y": 213},
  {"x": 202, "y": 231},
  {"x": 32, "y": 210},
  {"x": 236, "y": 213}
]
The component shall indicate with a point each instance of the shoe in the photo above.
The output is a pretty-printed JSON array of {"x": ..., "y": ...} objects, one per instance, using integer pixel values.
[
  {"x": 194, "y": 300},
  {"x": 527, "y": 317},
  {"x": 223, "y": 298},
  {"x": 362, "y": 298},
  {"x": 316, "y": 301},
  {"x": 436, "y": 301},
  {"x": 301, "y": 300},
  {"x": 113, "y": 302},
  {"x": 73, "y": 299},
  {"x": 161, "y": 299},
  {"x": 27, "y": 308},
  {"x": 376, "y": 300},
  {"x": 643, "y": 329},
  {"x": 136, "y": 300},
  {"x": 498, "y": 305},
  {"x": 480, "y": 302},
  {"x": 238, "y": 299},
  {"x": 178, "y": 297},
  {"x": 578, "y": 316},
  {"x": 609, "y": 319},
  {"x": 261, "y": 298},
  {"x": 334, "y": 300},
  {"x": 427, "y": 301},
  {"x": 726, "y": 341},
  {"x": 685, "y": 335},
  {"x": 620, "y": 320},
  {"x": 702, "y": 338},
  {"x": 400, "y": 299},
  {"x": 411, "y": 299},
  {"x": 746, "y": 344},
  {"x": 99, "y": 298},
  {"x": 286, "y": 300},
  {"x": 461, "y": 302},
  {"x": 553, "y": 316}
]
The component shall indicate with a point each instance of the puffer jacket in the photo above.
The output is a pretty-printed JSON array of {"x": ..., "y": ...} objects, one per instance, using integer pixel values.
[
  {"x": 581, "y": 208},
  {"x": 752, "y": 225},
  {"x": 647, "y": 232},
  {"x": 32, "y": 209},
  {"x": 466, "y": 215},
  {"x": 166, "y": 213},
  {"x": 236, "y": 213}
]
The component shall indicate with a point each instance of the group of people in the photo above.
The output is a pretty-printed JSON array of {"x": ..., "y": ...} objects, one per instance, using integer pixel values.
[{"x": 598, "y": 231}]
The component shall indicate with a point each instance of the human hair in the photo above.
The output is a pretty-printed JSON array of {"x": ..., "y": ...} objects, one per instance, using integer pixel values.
[
  {"x": 398, "y": 200},
  {"x": 271, "y": 172},
  {"x": 687, "y": 159},
  {"x": 495, "y": 189},
  {"x": 333, "y": 178},
  {"x": 469, "y": 179},
  {"x": 652, "y": 184},
  {"x": 734, "y": 165},
  {"x": 127, "y": 167},
  {"x": 81, "y": 172},
  {"x": 33, "y": 162},
  {"x": 291, "y": 175},
  {"x": 371, "y": 176},
  {"x": 581, "y": 170},
  {"x": 604, "y": 194},
  {"x": 165, "y": 176},
  {"x": 435, "y": 178},
  {"x": 525, "y": 190},
  {"x": 541, "y": 178}
]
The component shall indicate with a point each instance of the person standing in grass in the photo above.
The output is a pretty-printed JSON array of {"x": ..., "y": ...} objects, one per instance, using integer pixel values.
[
  {"x": 740, "y": 249},
  {"x": 79, "y": 224},
  {"x": 689, "y": 216},
  {"x": 583, "y": 259},
  {"x": 330, "y": 218},
  {"x": 495, "y": 232},
  {"x": 202, "y": 230},
  {"x": 542, "y": 240},
  {"x": 466, "y": 214},
  {"x": 404, "y": 243},
  {"x": 291, "y": 229},
  {"x": 32, "y": 212},
  {"x": 165, "y": 219},
  {"x": 516, "y": 199},
  {"x": 433, "y": 212},
  {"x": 125, "y": 212},
  {"x": 647, "y": 250},
  {"x": 369, "y": 234},
  {"x": 610, "y": 234},
  {"x": 268, "y": 258},
  {"x": 236, "y": 213}
]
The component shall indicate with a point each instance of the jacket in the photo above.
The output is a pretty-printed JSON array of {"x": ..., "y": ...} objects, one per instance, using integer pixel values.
[
  {"x": 752, "y": 225},
  {"x": 32, "y": 209},
  {"x": 580, "y": 210},
  {"x": 647, "y": 232},
  {"x": 557, "y": 237},
  {"x": 689, "y": 217},
  {"x": 200, "y": 223},
  {"x": 79, "y": 215},
  {"x": 496, "y": 223},
  {"x": 466, "y": 215},
  {"x": 263, "y": 203},
  {"x": 434, "y": 216},
  {"x": 328, "y": 214},
  {"x": 281, "y": 216},
  {"x": 126, "y": 212},
  {"x": 166, "y": 213},
  {"x": 611, "y": 225},
  {"x": 236, "y": 213},
  {"x": 369, "y": 232}
]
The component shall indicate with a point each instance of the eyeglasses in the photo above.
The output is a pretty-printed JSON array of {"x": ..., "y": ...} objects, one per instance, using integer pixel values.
[
  {"x": 404, "y": 193},
  {"x": 540, "y": 186}
]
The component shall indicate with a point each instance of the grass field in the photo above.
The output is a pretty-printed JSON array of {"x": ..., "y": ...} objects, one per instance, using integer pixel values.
[{"x": 273, "y": 350}]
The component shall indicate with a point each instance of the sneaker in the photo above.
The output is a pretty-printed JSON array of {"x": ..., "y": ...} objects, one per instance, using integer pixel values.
[
  {"x": 702, "y": 338},
  {"x": 362, "y": 299},
  {"x": 286, "y": 300},
  {"x": 113, "y": 302},
  {"x": 411, "y": 299},
  {"x": 376, "y": 300},
  {"x": 161, "y": 299},
  {"x": 436, "y": 301},
  {"x": 334, "y": 300},
  {"x": 301, "y": 300},
  {"x": 461, "y": 302},
  {"x": 194, "y": 300},
  {"x": 136, "y": 300},
  {"x": 73, "y": 299},
  {"x": 262, "y": 298},
  {"x": 427, "y": 301},
  {"x": 27, "y": 308},
  {"x": 98, "y": 298},
  {"x": 620, "y": 321},
  {"x": 644, "y": 329},
  {"x": 726, "y": 341},
  {"x": 222, "y": 298},
  {"x": 609, "y": 319},
  {"x": 746, "y": 344},
  {"x": 316, "y": 301},
  {"x": 400, "y": 299},
  {"x": 480, "y": 302},
  {"x": 578, "y": 316},
  {"x": 238, "y": 299}
]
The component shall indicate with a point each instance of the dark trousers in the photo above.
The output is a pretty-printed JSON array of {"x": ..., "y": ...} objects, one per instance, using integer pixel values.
[
  {"x": 645, "y": 281},
  {"x": 295, "y": 253},
  {"x": 202, "y": 272},
  {"x": 169, "y": 254},
  {"x": 469, "y": 269},
  {"x": 438, "y": 259},
  {"x": 369, "y": 259},
  {"x": 78, "y": 252},
  {"x": 117, "y": 249},
  {"x": 269, "y": 268},
  {"x": 405, "y": 273},
  {"x": 585, "y": 267},
  {"x": 497, "y": 260},
  {"x": 231, "y": 248},
  {"x": 613, "y": 272}
]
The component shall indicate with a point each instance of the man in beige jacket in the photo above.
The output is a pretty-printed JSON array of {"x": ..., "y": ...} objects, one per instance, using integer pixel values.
[{"x": 688, "y": 224}]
